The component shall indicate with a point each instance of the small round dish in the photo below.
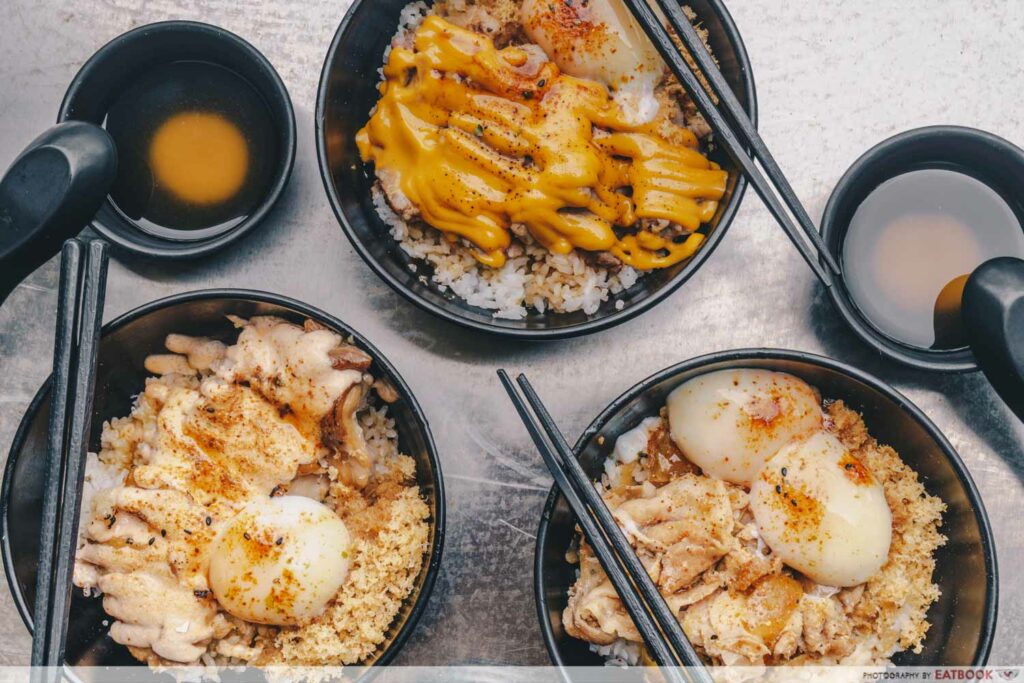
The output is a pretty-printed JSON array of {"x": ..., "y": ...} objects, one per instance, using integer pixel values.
[
  {"x": 119, "y": 63},
  {"x": 986, "y": 157},
  {"x": 124, "y": 344},
  {"x": 962, "y": 621},
  {"x": 348, "y": 91}
]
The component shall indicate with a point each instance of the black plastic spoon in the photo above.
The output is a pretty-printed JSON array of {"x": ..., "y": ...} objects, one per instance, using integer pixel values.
[
  {"x": 49, "y": 194},
  {"x": 993, "y": 317}
]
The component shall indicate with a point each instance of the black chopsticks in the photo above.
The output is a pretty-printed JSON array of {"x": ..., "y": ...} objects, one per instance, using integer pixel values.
[
  {"x": 79, "y": 313},
  {"x": 736, "y": 140},
  {"x": 641, "y": 598}
]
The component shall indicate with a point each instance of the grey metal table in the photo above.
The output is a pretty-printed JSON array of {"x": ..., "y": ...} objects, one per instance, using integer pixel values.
[{"x": 833, "y": 78}]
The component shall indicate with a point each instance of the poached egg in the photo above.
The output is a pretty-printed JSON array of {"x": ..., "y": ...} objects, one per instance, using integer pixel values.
[
  {"x": 730, "y": 422},
  {"x": 279, "y": 560},
  {"x": 599, "y": 40},
  {"x": 822, "y": 511}
]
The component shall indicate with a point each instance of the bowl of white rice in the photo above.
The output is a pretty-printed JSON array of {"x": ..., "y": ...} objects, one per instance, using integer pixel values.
[{"x": 535, "y": 294}]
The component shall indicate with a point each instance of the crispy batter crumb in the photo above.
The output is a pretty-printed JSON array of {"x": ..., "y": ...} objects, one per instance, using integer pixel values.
[
  {"x": 896, "y": 600},
  {"x": 391, "y": 537}
]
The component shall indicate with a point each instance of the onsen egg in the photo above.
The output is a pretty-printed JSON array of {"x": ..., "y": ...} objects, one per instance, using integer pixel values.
[
  {"x": 279, "y": 560},
  {"x": 601, "y": 41},
  {"x": 730, "y": 422},
  {"x": 822, "y": 512}
]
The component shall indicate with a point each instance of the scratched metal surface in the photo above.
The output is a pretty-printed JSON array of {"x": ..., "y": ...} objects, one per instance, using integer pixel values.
[{"x": 833, "y": 78}]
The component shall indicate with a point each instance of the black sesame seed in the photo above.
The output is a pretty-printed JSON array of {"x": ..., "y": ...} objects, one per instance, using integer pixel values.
[
  {"x": 793, "y": 502},
  {"x": 163, "y": 533},
  {"x": 209, "y": 521},
  {"x": 129, "y": 540},
  {"x": 542, "y": 82},
  {"x": 211, "y": 409},
  {"x": 152, "y": 541},
  {"x": 279, "y": 541},
  {"x": 246, "y": 536},
  {"x": 848, "y": 465},
  {"x": 785, "y": 471},
  {"x": 778, "y": 489},
  {"x": 187, "y": 532},
  {"x": 527, "y": 95},
  {"x": 200, "y": 593}
]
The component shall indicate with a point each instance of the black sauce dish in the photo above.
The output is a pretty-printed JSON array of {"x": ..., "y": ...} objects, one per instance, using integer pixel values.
[
  {"x": 125, "y": 342},
  {"x": 122, "y": 62},
  {"x": 964, "y": 618},
  {"x": 983, "y": 156},
  {"x": 348, "y": 91}
]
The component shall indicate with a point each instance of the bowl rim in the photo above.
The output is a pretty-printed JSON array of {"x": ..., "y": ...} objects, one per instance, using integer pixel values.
[
  {"x": 439, "y": 521},
  {"x": 755, "y": 354},
  {"x": 173, "y": 250},
  {"x": 587, "y": 326},
  {"x": 959, "y": 360}
]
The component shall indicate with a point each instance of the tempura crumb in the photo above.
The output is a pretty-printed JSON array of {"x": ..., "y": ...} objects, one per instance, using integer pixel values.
[
  {"x": 391, "y": 537},
  {"x": 896, "y": 600}
]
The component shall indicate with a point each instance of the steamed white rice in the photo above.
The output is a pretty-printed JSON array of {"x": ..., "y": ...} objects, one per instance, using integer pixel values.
[{"x": 532, "y": 277}]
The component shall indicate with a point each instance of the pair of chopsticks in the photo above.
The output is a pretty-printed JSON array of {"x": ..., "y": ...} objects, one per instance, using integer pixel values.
[
  {"x": 83, "y": 281},
  {"x": 737, "y": 139},
  {"x": 641, "y": 598}
]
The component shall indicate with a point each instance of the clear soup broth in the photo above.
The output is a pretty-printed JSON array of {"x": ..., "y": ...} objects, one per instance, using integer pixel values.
[{"x": 911, "y": 245}]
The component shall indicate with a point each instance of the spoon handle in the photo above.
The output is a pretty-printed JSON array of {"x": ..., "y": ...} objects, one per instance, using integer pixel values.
[
  {"x": 993, "y": 316},
  {"x": 49, "y": 194}
]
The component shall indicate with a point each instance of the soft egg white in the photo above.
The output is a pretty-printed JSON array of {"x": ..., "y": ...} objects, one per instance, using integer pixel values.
[
  {"x": 730, "y": 422},
  {"x": 599, "y": 40},
  {"x": 823, "y": 512},
  {"x": 279, "y": 560}
]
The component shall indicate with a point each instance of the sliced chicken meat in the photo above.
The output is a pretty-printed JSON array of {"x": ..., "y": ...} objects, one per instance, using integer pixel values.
[
  {"x": 679, "y": 531},
  {"x": 594, "y": 611},
  {"x": 687, "y": 524},
  {"x": 146, "y": 552}
]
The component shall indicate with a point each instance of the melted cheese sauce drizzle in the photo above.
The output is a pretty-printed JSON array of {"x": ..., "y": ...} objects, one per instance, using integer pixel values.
[{"x": 480, "y": 139}]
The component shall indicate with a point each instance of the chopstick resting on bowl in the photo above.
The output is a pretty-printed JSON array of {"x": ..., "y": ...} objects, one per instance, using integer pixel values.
[
  {"x": 735, "y": 139},
  {"x": 652, "y": 616},
  {"x": 79, "y": 314}
]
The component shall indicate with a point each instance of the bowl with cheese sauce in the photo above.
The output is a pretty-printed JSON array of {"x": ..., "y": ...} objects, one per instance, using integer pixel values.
[
  {"x": 205, "y": 137},
  {"x": 262, "y": 489},
  {"x": 507, "y": 184}
]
